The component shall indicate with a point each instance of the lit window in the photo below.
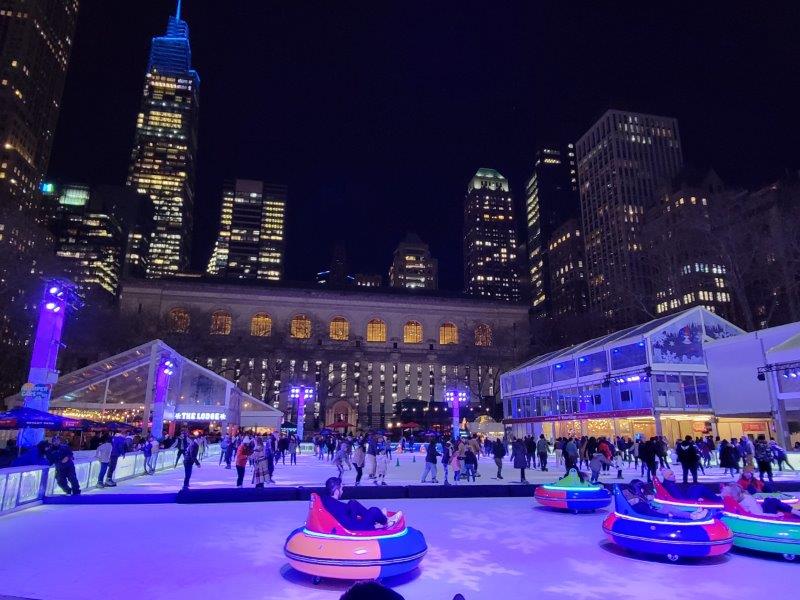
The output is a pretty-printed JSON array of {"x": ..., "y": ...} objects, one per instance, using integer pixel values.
[
  {"x": 376, "y": 331},
  {"x": 448, "y": 334},
  {"x": 261, "y": 325},
  {"x": 412, "y": 333},
  {"x": 221, "y": 323},
  {"x": 178, "y": 320},
  {"x": 339, "y": 329},
  {"x": 300, "y": 328},
  {"x": 483, "y": 335}
]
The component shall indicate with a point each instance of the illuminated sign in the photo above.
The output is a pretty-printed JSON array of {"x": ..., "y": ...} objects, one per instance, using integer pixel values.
[{"x": 200, "y": 416}]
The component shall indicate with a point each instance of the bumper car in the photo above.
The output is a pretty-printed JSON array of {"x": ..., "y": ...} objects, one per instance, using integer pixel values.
[
  {"x": 325, "y": 548},
  {"x": 774, "y": 534},
  {"x": 570, "y": 493},
  {"x": 637, "y": 527},
  {"x": 699, "y": 497}
]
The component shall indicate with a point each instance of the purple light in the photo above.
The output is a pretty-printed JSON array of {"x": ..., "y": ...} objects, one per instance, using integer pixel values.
[
  {"x": 53, "y": 290},
  {"x": 50, "y": 305}
]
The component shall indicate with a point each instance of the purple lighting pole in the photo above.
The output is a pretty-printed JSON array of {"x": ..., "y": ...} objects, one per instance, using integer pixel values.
[
  {"x": 301, "y": 393},
  {"x": 455, "y": 398},
  {"x": 58, "y": 296}
]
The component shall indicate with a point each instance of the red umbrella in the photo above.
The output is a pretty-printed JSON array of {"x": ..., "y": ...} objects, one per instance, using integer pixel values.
[{"x": 411, "y": 425}]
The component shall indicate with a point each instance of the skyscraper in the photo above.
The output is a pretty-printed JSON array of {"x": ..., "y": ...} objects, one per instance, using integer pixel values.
[
  {"x": 88, "y": 238},
  {"x": 35, "y": 44},
  {"x": 413, "y": 267},
  {"x": 568, "y": 293},
  {"x": 165, "y": 146},
  {"x": 622, "y": 161},
  {"x": 551, "y": 198},
  {"x": 490, "y": 238},
  {"x": 251, "y": 234}
]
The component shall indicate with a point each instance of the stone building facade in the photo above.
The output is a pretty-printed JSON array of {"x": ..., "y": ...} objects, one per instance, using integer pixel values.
[{"x": 361, "y": 350}]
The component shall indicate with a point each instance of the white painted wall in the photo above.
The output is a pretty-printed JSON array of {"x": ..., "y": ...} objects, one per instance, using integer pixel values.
[{"x": 733, "y": 365}]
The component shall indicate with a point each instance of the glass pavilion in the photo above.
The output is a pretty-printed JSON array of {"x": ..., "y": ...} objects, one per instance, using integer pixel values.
[{"x": 651, "y": 379}]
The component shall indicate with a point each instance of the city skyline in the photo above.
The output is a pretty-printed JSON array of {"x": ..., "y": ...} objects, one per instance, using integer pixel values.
[{"x": 346, "y": 149}]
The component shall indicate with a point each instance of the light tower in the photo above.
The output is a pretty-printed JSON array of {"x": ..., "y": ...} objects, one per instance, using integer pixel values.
[
  {"x": 59, "y": 296},
  {"x": 301, "y": 393},
  {"x": 456, "y": 398}
]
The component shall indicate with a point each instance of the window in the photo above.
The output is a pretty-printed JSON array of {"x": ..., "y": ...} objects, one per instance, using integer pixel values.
[
  {"x": 412, "y": 333},
  {"x": 483, "y": 335},
  {"x": 300, "y": 328},
  {"x": 376, "y": 331},
  {"x": 339, "y": 329},
  {"x": 178, "y": 320},
  {"x": 221, "y": 323},
  {"x": 261, "y": 325},
  {"x": 448, "y": 334}
]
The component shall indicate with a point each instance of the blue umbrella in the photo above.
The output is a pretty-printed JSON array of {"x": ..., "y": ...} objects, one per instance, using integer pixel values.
[{"x": 23, "y": 416}]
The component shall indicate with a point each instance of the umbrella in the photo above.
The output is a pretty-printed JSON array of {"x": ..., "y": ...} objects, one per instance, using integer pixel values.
[
  {"x": 89, "y": 425},
  {"x": 411, "y": 425},
  {"x": 22, "y": 416}
]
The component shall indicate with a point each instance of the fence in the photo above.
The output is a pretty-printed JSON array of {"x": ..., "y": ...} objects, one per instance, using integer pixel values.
[{"x": 23, "y": 487}]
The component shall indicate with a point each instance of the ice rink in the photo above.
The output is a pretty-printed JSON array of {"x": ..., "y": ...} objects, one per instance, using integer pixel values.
[{"x": 497, "y": 547}]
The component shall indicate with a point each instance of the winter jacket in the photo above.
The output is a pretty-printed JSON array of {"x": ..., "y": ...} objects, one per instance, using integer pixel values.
[
  {"x": 358, "y": 456},
  {"x": 542, "y": 447},
  {"x": 498, "y": 449},
  {"x": 762, "y": 451},
  {"x": 103, "y": 453},
  {"x": 597, "y": 461},
  {"x": 687, "y": 454},
  {"x": 431, "y": 453},
  {"x": 518, "y": 455},
  {"x": 118, "y": 446}
]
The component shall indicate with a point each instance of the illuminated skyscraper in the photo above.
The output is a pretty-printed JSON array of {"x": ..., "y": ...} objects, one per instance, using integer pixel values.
[
  {"x": 36, "y": 41},
  {"x": 551, "y": 198},
  {"x": 490, "y": 238},
  {"x": 623, "y": 160},
  {"x": 165, "y": 147},
  {"x": 413, "y": 267},
  {"x": 251, "y": 233}
]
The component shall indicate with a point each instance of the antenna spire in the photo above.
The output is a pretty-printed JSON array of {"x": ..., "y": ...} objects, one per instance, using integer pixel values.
[{"x": 178, "y": 11}]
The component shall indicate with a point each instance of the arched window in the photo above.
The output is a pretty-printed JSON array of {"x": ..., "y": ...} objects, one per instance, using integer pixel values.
[
  {"x": 483, "y": 335},
  {"x": 300, "y": 328},
  {"x": 448, "y": 334},
  {"x": 261, "y": 325},
  {"x": 376, "y": 331},
  {"x": 221, "y": 323},
  {"x": 178, "y": 320},
  {"x": 339, "y": 329},
  {"x": 412, "y": 333}
]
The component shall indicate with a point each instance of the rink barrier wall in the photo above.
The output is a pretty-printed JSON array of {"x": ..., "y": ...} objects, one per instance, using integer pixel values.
[{"x": 27, "y": 486}]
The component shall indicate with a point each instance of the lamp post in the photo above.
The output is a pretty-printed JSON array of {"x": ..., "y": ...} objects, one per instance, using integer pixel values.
[
  {"x": 166, "y": 369},
  {"x": 456, "y": 398},
  {"x": 59, "y": 295},
  {"x": 301, "y": 393}
]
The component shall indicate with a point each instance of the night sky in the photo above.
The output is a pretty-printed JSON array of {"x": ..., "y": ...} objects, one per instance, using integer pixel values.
[{"x": 376, "y": 114}]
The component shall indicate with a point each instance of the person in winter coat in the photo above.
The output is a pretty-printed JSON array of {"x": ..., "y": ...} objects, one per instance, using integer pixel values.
[
  {"x": 190, "y": 459},
  {"x": 542, "y": 450},
  {"x": 648, "y": 452},
  {"x": 470, "y": 463},
  {"x": 689, "y": 458},
  {"x": 519, "y": 458},
  {"x": 455, "y": 464},
  {"x": 60, "y": 456},
  {"x": 570, "y": 454},
  {"x": 763, "y": 455},
  {"x": 224, "y": 444},
  {"x": 530, "y": 450},
  {"x": 596, "y": 463},
  {"x": 780, "y": 455},
  {"x": 729, "y": 458},
  {"x": 359, "y": 457},
  {"x": 242, "y": 455},
  {"x": 181, "y": 442},
  {"x": 430, "y": 462},
  {"x": 499, "y": 452},
  {"x": 259, "y": 460},
  {"x": 103, "y": 454},
  {"x": 446, "y": 451},
  {"x": 292, "y": 448},
  {"x": 371, "y": 462},
  {"x": 382, "y": 465}
]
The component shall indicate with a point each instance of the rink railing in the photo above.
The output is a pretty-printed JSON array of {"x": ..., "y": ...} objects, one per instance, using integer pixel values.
[{"x": 23, "y": 487}]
